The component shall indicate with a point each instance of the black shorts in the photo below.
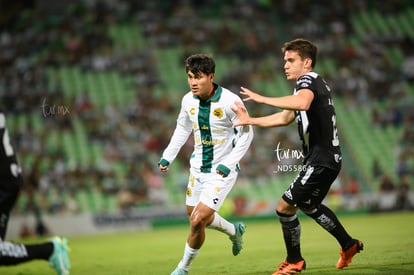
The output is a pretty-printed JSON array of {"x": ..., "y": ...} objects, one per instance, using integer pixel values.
[{"x": 310, "y": 187}]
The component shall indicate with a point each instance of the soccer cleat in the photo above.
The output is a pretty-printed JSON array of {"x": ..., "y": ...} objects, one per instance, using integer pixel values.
[
  {"x": 60, "y": 258},
  {"x": 346, "y": 256},
  {"x": 237, "y": 239},
  {"x": 179, "y": 271},
  {"x": 286, "y": 268}
]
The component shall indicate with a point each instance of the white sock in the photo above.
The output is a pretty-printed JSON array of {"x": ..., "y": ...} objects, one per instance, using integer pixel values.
[
  {"x": 221, "y": 224},
  {"x": 189, "y": 255}
]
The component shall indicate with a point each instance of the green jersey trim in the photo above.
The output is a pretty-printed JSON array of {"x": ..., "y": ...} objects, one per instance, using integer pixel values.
[{"x": 204, "y": 110}]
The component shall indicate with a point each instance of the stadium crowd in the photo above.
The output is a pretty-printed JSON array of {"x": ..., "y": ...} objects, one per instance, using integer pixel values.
[{"x": 32, "y": 42}]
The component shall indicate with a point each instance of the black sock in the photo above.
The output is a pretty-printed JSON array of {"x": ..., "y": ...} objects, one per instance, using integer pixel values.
[
  {"x": 14, "y": 253},
  {"x": 291, "y": 234},
  {"x": 40, "y": 251},
  {"x": 328, "y": 220}
]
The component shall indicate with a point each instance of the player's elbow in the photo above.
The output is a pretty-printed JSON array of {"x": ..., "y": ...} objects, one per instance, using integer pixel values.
[
  {"x": 303, "y": 106},
  {"x": 286, "y": 118},
  {"x": 285, "y": 122}
]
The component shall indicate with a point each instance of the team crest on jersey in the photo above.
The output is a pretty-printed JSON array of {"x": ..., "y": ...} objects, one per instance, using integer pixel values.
[{"x": 218, "y": 112}]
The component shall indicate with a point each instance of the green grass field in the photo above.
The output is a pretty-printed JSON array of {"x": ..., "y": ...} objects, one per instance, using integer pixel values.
[{"x": 388, "y": 238}]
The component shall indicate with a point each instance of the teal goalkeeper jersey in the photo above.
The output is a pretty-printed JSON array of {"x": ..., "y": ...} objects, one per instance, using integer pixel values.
[{"x": 216, "y": 144}]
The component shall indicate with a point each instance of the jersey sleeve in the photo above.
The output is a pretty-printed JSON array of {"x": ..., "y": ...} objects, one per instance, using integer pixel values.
[
  {"x": 181, "y": 133},
  {"x": 242, "y": 139},
  {"x": 306, "y": 82}
]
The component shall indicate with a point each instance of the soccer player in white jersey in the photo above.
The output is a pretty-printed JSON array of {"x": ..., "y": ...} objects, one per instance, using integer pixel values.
[
  {"x": 54, "y": 251},
  {"x": 218, "y": 147},
  {"x": 312, "y": 107}
]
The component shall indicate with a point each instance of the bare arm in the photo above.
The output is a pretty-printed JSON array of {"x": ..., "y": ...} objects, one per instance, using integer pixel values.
[
  {"x": 282, "y": 118},
  {"x": 300, "y": 101}
]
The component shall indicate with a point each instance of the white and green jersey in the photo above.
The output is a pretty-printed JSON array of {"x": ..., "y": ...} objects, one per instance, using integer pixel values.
[{"x": 216, "y": 144}]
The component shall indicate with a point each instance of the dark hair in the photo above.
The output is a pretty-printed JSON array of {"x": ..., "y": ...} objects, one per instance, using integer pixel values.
[
  {"x": 200, "y": 63},
  {"x": 305, "y": 49}
]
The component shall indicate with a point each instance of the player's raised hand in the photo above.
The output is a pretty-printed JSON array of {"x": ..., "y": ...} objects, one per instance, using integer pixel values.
[
  {"x": 250, "y": 95},
  {"x": 242, "y": 114}
]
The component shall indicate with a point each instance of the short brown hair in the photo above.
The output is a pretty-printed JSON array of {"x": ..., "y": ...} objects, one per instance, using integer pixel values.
[{"x": 304, "y": 48}]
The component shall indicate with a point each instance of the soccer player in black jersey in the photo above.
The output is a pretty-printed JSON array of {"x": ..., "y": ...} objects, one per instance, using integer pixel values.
[
  {"x": 312, "y": 107},
  {"x": 54, "y": 251}
]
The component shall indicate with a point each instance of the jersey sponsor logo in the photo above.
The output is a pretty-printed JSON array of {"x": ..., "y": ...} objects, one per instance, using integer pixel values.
[
  {"x": 218, "y": 112},
  {"x": 304, "y": 82},
  {"x": 305, "y": 79},
  {"x": 208, "y": 141},
  {"x": 213, "y": 142}
]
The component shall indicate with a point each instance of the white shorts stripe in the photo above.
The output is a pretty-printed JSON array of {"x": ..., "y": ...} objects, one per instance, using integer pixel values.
[{"x": 309, "y": 171}]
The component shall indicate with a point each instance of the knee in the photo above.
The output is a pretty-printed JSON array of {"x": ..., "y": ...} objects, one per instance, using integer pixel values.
[
  {"x": 197, "y": 222},
  {"x": 284, "y": 209},
  {"x": 280, "y": 211}
]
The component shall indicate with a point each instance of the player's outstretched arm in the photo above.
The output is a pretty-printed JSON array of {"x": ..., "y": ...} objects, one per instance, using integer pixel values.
[
  {"x": 274, "y": 120},
  {"x": 300, "y": 101}
]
